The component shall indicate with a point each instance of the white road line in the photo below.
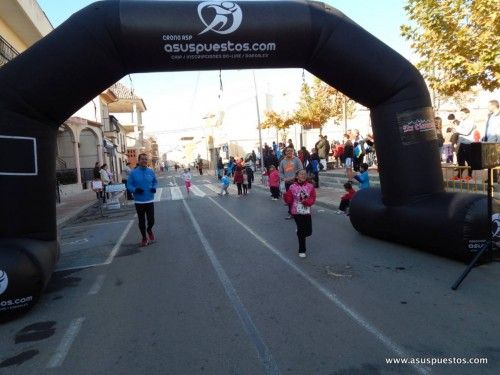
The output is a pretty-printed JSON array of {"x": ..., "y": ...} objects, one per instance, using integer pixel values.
[
  {"x": 96, "y": 224},
  {"x": 119, "y": 243},
  {"x": 76, "y": 242},
  {"x": 176, "y": 193},
  {"x": 215, "y": 189},
  {"x": 196, "y": 190},
  {"x": 388, "y": 343},
  {"x": 265, "y": 356},
  {"x": 97, "y": 285},
  {"x": 63, "y": 348},
  {"x": 158, "y": 194}
]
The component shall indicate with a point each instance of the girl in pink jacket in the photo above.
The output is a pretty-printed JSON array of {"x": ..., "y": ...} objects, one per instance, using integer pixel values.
[
  {"x": 274, "y": 182},
  {"x": 301, "y": 196}
]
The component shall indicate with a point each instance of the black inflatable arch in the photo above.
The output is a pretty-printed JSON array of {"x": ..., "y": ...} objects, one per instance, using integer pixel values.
[{"x": 103, "y": 42}]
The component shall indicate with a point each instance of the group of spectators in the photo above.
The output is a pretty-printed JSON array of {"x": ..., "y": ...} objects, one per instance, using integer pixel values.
[{"x": 460, "y": 131}]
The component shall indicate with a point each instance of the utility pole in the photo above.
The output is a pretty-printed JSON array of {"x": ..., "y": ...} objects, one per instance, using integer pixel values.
[
  {"x": 344, "y": 112},
  {"x": 258, "y": 120}
]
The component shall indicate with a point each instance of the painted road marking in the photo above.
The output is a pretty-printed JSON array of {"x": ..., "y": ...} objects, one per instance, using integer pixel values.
[
  {"x": 263, "y": 351},
  {"x": 176, "y": 193},
  {"x": 77, "y": 242},
  {"x": 215, "y": 189},
  {"x": 96, "y": 224},
  {"x": 158, "y": 194},
  {"x": 119, "y": 243},
  {"x": 66, "y": 342},
  {"x": 97, "y": 285},
  {"x": 400, "y": 352},
  {"x": 196, "y": 190}
]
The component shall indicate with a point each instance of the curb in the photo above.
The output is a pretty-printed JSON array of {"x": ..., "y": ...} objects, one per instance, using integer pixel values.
[{"x": 61, "y": 221}]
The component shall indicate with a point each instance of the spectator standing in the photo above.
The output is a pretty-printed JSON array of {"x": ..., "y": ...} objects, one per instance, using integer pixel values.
[
  {"x": 238, "y": 178},
  {"x": 492, "y": 126},
  {"x": 465, "y": 137},
  {"x": 253, "y": 157},
  {"x": 327, "y": 151},
  {"x": 125, "y": 174},
  {"x": 220, "y": 168},
  {"x": 142, "y": 183},
  {"x": 321, "y": 148},
  {"x": 96, "y": 172},
  {"x": 250, "y": 175},
  {"x": 438, "y": 122},
  {"x": 275, "y": 148},
  {"x": 230, "y": 166},
  {"x": 447, "y": 146},
  {"x": 348, "y": 155},
  {"x": 314, "y": 167},
  {"x": 338, "y": 154},
  {"x": 105, "y": 179}
]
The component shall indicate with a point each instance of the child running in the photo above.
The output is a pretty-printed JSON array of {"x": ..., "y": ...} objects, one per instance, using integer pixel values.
[
  {"x": 274, "y": 182},
  {"x": 301, "y": 196},
  {"x": 186, "y": 176},
  {"x": 345, "y": 200}
]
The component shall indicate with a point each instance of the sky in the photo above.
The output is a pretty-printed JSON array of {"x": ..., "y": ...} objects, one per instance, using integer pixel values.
[{"x": 180, "y": 100}]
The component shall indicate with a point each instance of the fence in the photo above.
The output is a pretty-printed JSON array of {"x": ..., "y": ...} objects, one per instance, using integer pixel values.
[{"x": 476, "y": 183}]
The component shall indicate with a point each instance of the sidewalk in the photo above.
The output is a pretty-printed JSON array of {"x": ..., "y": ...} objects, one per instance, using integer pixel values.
[{"x": 72, "y": 205}]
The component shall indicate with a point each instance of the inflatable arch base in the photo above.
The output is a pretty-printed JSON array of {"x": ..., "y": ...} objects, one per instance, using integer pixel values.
[
  {"x": 453, "y": 225},
  {"x": 25, "y": 270}
]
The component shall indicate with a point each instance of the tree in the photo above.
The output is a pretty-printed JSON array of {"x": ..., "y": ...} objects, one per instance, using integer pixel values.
[
  {"x": 457, "y": 41},
  {"x": 320, "y": 103},
  {"x": 281, "y": 122}
]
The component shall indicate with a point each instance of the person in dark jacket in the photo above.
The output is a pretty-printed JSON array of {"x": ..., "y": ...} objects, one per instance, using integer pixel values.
[
  {"x": 97, "y": 170},
  {"x": 238, "y": 178},
  {"x": 348, "y": 155}
]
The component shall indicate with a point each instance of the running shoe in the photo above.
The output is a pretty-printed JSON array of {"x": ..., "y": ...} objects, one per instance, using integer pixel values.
[
  {"x": 144, "y": 242},
  {"x": 302, "y": 255},
  {"x": 151, "y": 236}
]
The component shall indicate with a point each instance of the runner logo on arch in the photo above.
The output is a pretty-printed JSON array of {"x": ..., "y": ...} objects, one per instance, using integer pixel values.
[{"x": 226, "y": 16}]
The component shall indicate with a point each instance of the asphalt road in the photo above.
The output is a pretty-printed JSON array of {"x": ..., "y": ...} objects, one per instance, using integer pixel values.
[{"x": 222, "y": 291}]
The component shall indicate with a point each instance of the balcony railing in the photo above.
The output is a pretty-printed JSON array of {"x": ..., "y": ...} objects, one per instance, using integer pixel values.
[{"x": 7, "y": 52}]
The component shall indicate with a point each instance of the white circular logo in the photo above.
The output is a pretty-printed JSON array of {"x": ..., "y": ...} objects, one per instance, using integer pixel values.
[
  {"x": 225, "y": 18},
  {"x": 4, "y": 281}
]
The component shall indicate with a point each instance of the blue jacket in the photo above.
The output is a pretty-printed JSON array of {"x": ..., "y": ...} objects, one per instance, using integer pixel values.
[
  {"x": 364, "y": 180},
  {"x": 145, "y": 179},
  {"x": 225, "y": 181}
]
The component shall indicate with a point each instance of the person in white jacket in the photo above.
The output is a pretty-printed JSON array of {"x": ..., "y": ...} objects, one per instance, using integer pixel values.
[
  {"x": 492, "y": 126},
  {"x": 465, "y": 137},
  {"x": 105, "y": 179}
]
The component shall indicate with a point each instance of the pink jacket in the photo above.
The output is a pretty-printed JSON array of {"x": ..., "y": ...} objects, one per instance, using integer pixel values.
[
  {"x": 274, "y": 179},
  {"x": 293, "y": 196}
]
